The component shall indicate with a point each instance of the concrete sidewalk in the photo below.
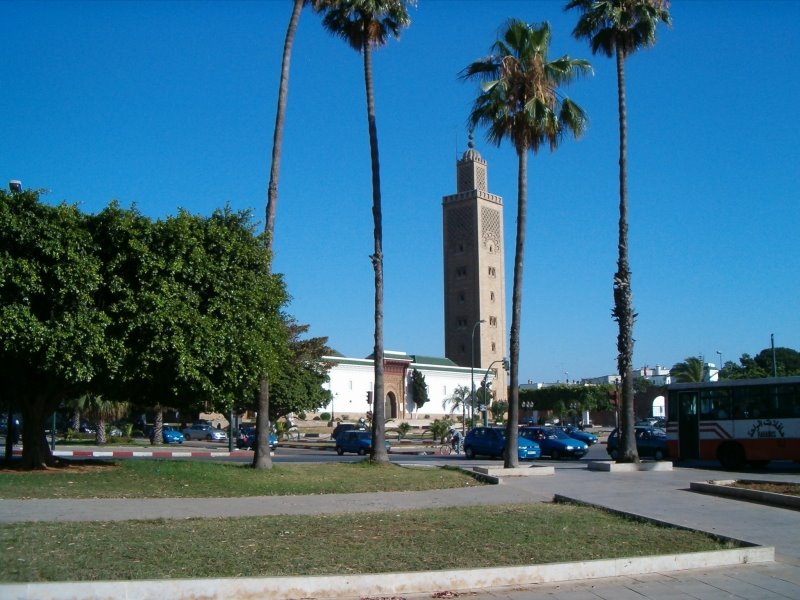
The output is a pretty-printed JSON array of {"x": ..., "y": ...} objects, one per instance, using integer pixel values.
[{"x": 663, "y": 496}]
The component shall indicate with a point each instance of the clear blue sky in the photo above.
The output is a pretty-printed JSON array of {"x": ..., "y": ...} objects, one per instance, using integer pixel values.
[{"x": 172, "y": 104}]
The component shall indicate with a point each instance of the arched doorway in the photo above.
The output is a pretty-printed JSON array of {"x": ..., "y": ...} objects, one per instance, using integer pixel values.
[{"x": 390, "y": 406}]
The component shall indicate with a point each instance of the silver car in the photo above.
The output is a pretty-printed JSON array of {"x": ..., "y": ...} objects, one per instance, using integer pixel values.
[{"x": 204, "y": 432}]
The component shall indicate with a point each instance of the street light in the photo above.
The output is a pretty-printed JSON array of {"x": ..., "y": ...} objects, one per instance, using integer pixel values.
[
  {"x": 485, "y": 378},
  {"x": 472, "y": 367},
  {"x": 720, "y": 363}
]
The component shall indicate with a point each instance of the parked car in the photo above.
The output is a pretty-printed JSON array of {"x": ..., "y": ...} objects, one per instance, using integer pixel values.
[
  {"x": 344, "y": 427},
  {"x": 200, "y": 431},
  {"x": 587, "y": 438},
  {"x": 169, "y": 435},
  {"x": 491, "y": 441},
  {"x": 358, "y": 441},
  {"x": 247, "y": 439},
  {"x": 651, "y": 442},
  {"x": 554, "y": 442}
]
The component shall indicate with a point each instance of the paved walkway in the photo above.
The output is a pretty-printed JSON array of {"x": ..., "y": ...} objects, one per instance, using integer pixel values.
[{"x": 663, "y": 496}]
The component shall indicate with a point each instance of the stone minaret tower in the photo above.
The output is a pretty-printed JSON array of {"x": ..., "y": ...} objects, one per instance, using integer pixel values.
[{"x": 474, "y": 274}]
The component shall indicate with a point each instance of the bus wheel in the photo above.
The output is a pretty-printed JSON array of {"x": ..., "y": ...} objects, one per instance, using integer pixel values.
[{"x": 731, "y": 456}]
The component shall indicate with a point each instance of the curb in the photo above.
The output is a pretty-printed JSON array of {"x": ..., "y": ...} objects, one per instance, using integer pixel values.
[
  {"x": 382, "y": 584},
  {"x": 723, "y": 487}
]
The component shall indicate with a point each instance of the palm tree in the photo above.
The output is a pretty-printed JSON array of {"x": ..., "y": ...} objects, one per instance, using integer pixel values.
[
  {"x": 619, "y": 28},
  {"x": 519, "y": 100},
  {"x": 261, "y": 457},
  {"x": 458, "y": 400},
  {"x": 690, "y": 370},
  {"x": 100, "y": 410},
  {"x": 365, "y": 24}
]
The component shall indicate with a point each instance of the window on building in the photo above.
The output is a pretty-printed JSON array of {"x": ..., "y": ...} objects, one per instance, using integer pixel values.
[
  {"x": 461, "y": 297},
  {"x": 461, "y": 272},
  {"x": 494, "y": 346},
  {"x": 461, "y": 323},
  {"x": 493, "y": 321},
  {"x": 491, "y": 296},
  {"x": 492, "y": 272}
]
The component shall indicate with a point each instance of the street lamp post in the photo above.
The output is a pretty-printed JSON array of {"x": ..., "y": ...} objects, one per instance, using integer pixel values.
[
  {"x": 485, "y": 379},
  {"x": 472, "y": 366}
]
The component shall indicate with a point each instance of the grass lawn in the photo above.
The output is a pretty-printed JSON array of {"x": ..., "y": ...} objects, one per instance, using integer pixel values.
[
  {"x": 142, "y": 478},
  {"x": 327, "y": 544}
]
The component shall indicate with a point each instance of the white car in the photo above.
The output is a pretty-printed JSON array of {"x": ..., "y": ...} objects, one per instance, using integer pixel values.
[{"x": 204, "y": 432}]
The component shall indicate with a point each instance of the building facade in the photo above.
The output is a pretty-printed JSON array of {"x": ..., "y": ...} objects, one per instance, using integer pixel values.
[
  {"x": 351, "y": 383},
  {"x": 474, "y": 273}
]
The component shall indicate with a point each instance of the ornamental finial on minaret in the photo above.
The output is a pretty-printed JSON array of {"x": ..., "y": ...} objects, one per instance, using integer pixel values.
[{"x": 471, "y": 153}]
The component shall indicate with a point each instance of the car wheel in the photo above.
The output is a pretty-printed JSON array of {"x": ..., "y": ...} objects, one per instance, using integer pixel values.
[
  {"x": 362, "y": 451},
  {"x": 731, "y": 456},
  {"x": 208, "y": 437},
  {"x": 555, "y": 455},
  {"x": 658, "y": 454},
  {"x": 614, "y": 454},
  {"x": 339, "y": 451},
  {"x": 469, "y": 452}
]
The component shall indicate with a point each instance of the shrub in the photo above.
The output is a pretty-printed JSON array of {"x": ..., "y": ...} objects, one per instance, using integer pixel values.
[
  {"x": 402, "y": 430},
  {"x": 324, "y": 416}
]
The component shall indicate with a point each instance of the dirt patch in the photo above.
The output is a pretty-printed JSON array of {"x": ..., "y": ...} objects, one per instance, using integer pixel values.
[{"x": 791, "y": 489}]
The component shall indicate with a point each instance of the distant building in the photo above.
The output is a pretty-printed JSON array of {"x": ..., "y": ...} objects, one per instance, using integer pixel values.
[{"x": 351, "y": 383}]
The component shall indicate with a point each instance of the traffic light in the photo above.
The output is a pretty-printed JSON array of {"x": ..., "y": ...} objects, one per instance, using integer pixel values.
[
  {"x": 505, "y": 364},
  {"x": 369, "y": 398}
]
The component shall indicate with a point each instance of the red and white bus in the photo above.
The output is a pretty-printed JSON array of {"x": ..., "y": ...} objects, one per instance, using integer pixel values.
[{"x": 735, "y": 421}]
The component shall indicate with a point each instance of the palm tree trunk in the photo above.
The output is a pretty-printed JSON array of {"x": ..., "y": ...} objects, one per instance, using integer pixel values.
[
  {"x": 262, "y": 458},
  {"x": 280, "y": 118},
  {"x": 623, "y": 295},
  {"x": 511, "y": 458},
  {"x": 158, "y": 426},
  {"x": 76, "y": 419},
  {"x": 378, "y": 453},
  {"x": 100, "y": 431}
]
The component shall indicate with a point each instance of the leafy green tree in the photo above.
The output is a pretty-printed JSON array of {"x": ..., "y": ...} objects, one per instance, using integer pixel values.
[
  {"x": 52, "y": 333},
  {"x": 787, "y": 363},
  {"x": 297, "y": 384},
  {"x": 619, "y": 28},
  {"x": 690, "y": 370},
  {"x": 419, "y": 389},
  {"x": 364, "y": 25},
  {"x": 499, "y": 410},
  {"x": 520, "y": 101}
]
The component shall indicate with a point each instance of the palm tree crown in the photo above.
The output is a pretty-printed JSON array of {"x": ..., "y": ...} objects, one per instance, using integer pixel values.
[
  {"x": 519, "y": 98},
  {"x": 362, "y": 22},
  {"x": 691, "y": 370},
  {"x": 624, "y": 24}
]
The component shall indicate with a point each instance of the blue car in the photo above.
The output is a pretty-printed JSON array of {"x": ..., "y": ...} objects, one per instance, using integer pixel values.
[
  {"x": 587, "y": 438},
  {"x": 491, "y": 441},
  {"x": 356, "y": 441},
  {"x": 169, "y": 434},
  {"x": 651, "y": 442},
  {"x": 554, "y": 442}
]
